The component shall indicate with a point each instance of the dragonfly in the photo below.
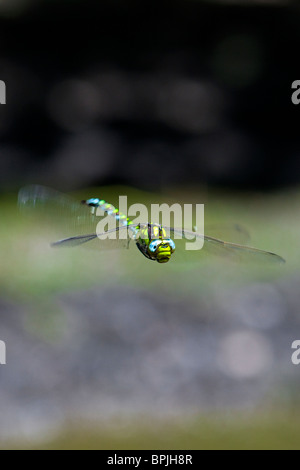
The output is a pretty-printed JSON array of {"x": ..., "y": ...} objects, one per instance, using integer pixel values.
[{"x": 153, "y": 240}]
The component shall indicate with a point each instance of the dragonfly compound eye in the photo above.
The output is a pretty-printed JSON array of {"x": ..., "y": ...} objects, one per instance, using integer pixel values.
[
  {"x": 153, "y": 245},
  {"x": 171, "y": 244}
]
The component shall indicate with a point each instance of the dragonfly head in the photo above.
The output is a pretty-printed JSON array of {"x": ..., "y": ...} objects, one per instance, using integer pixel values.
[{"x": 161, "y": 250}]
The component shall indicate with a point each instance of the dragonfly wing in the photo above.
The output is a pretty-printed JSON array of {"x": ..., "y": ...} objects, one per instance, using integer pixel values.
[
  {"x": 112, "y": 240},
  {"x": 53, "y": 207},
  {"x": 223, "y": 248},
  {"x": 67, "y": 218},
  {"x": 228, "y": 231},
  {"x": 74, "y": 241}
]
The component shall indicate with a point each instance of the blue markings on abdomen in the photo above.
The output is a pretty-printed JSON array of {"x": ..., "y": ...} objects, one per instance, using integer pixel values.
[
  {"x": 108, "y": 209},
  {"x": 93, "y": 202}
]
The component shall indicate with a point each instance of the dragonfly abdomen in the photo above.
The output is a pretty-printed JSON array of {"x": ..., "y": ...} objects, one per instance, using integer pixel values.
[{"x": 108, "y": 209}]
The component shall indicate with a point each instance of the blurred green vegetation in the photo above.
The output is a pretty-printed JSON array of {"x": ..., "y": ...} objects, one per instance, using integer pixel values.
[{"x": 237, "y": 431}]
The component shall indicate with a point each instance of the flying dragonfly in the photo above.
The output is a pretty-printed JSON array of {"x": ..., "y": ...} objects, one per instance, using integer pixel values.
[{"x": 154, "y": 241}]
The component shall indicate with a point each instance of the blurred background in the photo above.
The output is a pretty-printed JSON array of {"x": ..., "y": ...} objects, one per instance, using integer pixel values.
[{"x": 188, "y": 102}]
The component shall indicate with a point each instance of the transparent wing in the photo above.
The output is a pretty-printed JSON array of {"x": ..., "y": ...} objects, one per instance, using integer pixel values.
[
  {"x": 219, "y": 247},
  {"x": 64, "y": 217},
  {"x": 98, "y": 243},
  {"x": 55, "y": 208},
  {"x": 227, "y": 231},
  {"x": 74, "y": 241}
]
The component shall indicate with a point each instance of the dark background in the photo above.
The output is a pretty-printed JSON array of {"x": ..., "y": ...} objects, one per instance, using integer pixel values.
[{"x": 149, "y": 95}]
